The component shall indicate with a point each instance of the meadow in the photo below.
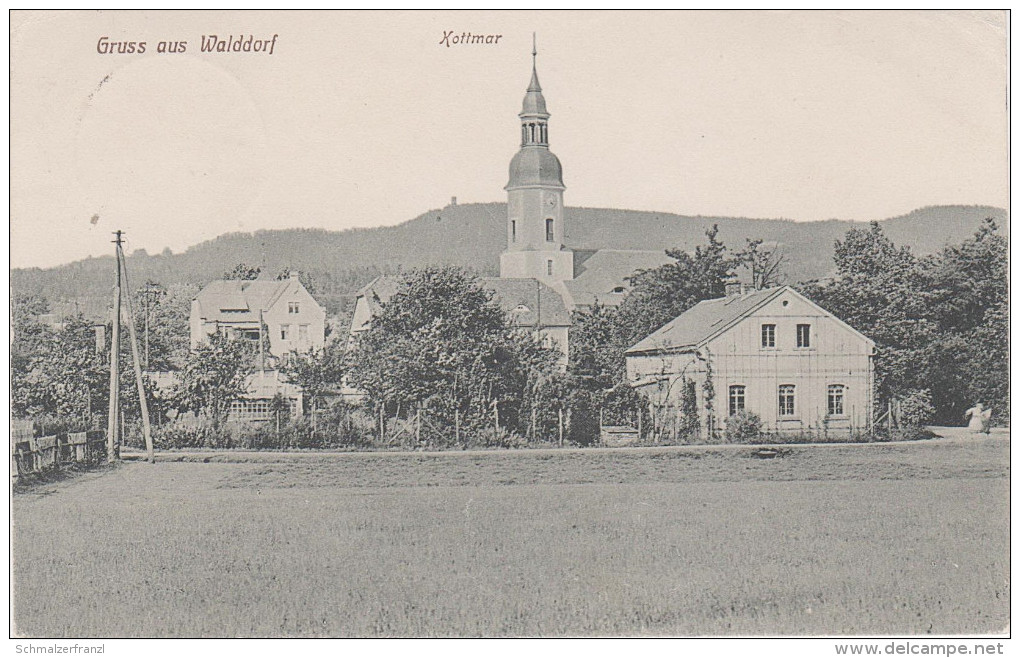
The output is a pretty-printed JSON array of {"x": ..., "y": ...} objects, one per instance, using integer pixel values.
[{"x": 870, "y": 539}]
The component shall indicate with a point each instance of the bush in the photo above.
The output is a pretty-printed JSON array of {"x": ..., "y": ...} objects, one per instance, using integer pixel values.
[
  {"x": 915, "y": 408},
  {"x": 743, "y": 427}
]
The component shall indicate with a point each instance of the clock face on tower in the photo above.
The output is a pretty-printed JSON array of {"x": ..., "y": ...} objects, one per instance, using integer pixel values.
[{"x": 551, "y": 202}]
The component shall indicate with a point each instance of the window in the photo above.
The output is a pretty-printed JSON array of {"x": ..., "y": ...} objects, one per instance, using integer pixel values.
[
  {"x": 513, "y": 230},
  {"x": 293, "y": 307},
  {"x": 549, "y": 230},
  {"x": 548, "y": 267},
  {"x": 836, "y": 394},
  {"x": 803, "y": 335},
  {"x": 768, "y": 335},
  {"x": 737, "y": 396},
  {"x": 246, "y": 410},
  {"x": 786, "y": 400},
  {"x": 284, "y": 332},
  {"x": 302, "y": 332}
]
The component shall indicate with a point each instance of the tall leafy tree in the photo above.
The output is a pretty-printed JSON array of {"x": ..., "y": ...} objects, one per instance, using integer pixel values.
[
  {"x": 939, "y": 323},
  {"x": 442, "y": 341},
  {"x": 318, "y": 372},
  {"x": 660, "y": 294},
  {"x": 214, "y": 375}
]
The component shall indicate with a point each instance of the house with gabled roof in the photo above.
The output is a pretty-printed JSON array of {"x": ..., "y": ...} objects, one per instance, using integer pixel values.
[
  {"x": 284, "y": 309},
  {"x": 772, "y": 352}
]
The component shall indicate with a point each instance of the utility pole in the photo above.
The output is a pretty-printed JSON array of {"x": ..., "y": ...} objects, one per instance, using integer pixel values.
[
  {"x": 150, "y": 291},
  {"x": 112, "y": 443},
  {"x": 146, "y": 428}
]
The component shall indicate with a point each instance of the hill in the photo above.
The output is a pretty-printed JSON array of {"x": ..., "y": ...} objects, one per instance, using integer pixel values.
[{"x": 473, "y": 235}]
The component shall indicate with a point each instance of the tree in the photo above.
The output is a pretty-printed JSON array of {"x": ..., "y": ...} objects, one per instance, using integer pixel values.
[
  {"x": 317, "y": 372},
  {"x": 31, "y": 341},
  {"x": 660, "y": 294},
  {"x": 214, "y": 375},
  {"x": 596, "y": 347},
  {"x": 443, "y": 342},
  {"x": 243, "y": 272},
  {"x": 940, "y": 324},
  {"x": 167, "y": 312},
  {"x": 57, "y": 371},
  {"x": 77, "y": 372},
  {"x": 765, "y": 264}
]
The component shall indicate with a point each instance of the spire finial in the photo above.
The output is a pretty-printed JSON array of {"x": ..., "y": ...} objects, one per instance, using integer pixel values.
[{"x": 534, "y": 86}]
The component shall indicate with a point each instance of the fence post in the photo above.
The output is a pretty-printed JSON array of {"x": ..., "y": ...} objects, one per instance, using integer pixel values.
[
  {"x": 456, "y": 425},
  {"x": 639, "y": 424},
  {"x": 561, "y": 425},
  {"x": 533, "y": 424},
  {"x": 417, "y": 426},
  {"x": 495, "y": 414}
]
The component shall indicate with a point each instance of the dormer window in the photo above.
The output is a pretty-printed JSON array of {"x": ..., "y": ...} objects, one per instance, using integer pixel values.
[
  {"x": 521, "y": 308},
  {"x": 618, "y": 290}
]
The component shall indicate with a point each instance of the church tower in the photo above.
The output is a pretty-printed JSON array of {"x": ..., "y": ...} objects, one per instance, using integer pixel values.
[{"x": 534, "y": 238}]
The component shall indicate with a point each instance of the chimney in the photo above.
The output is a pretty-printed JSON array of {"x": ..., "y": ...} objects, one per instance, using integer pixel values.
[
  {"x": 734, "y": 288},
  {"x": 294, "y": 275}
]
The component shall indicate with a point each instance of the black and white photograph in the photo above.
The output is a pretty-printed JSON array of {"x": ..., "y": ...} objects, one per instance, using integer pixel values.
[{"x": 510, "y": 324}]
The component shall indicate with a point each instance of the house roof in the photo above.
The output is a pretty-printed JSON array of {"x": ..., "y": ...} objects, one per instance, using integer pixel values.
[
  {"x": 695, "y": 326},
  {"x": 522, "y": 299},
  {"x": 705, "y": 320},
  {"x": 597, "y": 274},
  {"x": 378, "y": 291},
  {"x": 238, "y": 301}
]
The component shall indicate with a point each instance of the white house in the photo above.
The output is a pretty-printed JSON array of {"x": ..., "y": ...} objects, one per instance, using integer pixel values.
[
  {"x": 284, "y": 309},
  {"x": 772, "y": 352}
]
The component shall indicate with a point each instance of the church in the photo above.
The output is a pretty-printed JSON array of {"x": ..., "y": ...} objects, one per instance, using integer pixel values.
[{"x": 541, "y": 279}]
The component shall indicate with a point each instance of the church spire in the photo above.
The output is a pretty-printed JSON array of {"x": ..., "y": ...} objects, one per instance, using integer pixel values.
[
  {"x": 534, "y": 116},
  {"x": 534, "y": 86}
]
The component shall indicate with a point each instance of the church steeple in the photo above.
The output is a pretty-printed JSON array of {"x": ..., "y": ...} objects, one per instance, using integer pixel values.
[
  {"x": 535, "y": 233},
  {"x": 534, "y": 116}
]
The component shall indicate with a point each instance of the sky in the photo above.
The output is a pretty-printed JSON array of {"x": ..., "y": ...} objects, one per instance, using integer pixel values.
[{"x": 366, "y": 119}]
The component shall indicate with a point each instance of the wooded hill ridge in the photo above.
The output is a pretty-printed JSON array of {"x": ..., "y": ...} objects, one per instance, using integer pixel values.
[{"x": 473, "y": 235}]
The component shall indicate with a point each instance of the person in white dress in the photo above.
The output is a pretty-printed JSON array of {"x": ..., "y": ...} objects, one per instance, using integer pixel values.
[{"x": 980, "y": 418}]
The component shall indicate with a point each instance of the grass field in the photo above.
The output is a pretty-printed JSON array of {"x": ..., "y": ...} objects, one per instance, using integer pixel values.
[{"x": 874, "y": 539}]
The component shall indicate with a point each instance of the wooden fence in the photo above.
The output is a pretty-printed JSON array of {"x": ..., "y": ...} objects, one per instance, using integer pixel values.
[{"x": 32, "y": 455}]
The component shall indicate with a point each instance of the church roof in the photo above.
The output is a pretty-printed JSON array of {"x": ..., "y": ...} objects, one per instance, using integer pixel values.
[
  {"x": 695, "y": 326},
  {"x": 535, "y": 165},
  {"x": 534, "y": 101},
  {"x": 528, "y": 302},
  {"x": 228, "y": 300},
  {"x": 601, "y": 275}
]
